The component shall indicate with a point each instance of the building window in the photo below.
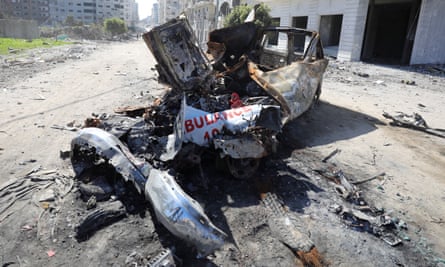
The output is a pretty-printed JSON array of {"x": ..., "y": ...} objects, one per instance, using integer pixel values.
[{"x": 273, "y": 36}]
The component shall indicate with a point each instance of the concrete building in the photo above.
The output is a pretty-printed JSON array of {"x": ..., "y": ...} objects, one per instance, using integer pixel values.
[
  {"x": 207, "y": 15},
  {"x": 37, "y": 10},
  {"x": 155, "y": 14},
  {"x": 387, "y": 31},
  {"x": 169, "y": 9},
  {"x": 202, "y": 18},
  {"x": 85, "y": 11},
  {"x": 94, "y": 11}
]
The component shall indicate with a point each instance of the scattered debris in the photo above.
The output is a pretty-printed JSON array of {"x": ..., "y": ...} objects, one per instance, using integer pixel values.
[
  {"x": 65, "y": 128},
  {"x": 361, "y": 74},
  {"x": 379, "y": 82},
  {"x": 437, "y": 220},
  {"x": 39, "y": 97},
  {"x": 408, "y": 82},
  {"x": 51, "y": 253},
  {"x": 415, "y": 122},
  {"x": 64, "y": 154},
  {"x": 333, "y": 153},
  {"x": 135, "y": 111},
  {"x": 105, "y": 214},
  {"x": 42, "y": 187},
  {"x": 378, "y": 176},
  {"x": 120, "y": 73},
  {"x": 290, "y": 232},
  {"x": 361, "y": 216},
  {"x": 92, "y": 122},
  {"x": 27, "y": 227},
  {"x": 164, "y": 259}
]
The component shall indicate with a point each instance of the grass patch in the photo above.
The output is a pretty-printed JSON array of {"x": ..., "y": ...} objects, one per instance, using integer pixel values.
[{"x": 6, "y": 44}]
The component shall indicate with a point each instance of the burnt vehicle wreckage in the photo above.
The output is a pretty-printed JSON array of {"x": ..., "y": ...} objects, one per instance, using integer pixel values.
[{"x": 232, "y": 102}]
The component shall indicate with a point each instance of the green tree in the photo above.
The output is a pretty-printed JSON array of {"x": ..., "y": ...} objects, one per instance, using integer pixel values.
[
  {"x": 262, "y": 16},
  {"x": 69, "y": 21},
  {"x": 115, "y": 26},
  {"x": 240, "y": 13}
]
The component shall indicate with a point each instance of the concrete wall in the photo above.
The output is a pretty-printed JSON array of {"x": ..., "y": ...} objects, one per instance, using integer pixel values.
[
  {"x": 26, "y": 29},
  {"x": 353, "y": 29},
  {"x": 429, "y": 43},
  {"x": 353, "y": 25}
]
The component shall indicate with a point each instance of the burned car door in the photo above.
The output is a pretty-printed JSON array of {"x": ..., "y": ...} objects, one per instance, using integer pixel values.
[
  {"x": 288, "y": 63},
  {"x": 291, "y": 74}
]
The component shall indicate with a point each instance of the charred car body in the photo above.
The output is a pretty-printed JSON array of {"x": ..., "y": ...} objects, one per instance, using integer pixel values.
[
  {"x": 237, "y": 100},
  {"x": 234, "y": 101}
]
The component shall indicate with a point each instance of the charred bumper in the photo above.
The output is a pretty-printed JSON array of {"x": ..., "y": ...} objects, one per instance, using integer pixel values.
[
  {"x": 182, "y": 215},
  {"x": 177, "y": 211}
]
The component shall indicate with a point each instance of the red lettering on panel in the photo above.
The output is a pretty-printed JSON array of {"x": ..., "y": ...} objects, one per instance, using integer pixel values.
[
  {"x": 200, "y": 124},
  {"x": 237, "y": 111},
  {"x": 189, "y": 126},
  {"x": 215, "y": 131},
  {"x": 206, "y": 136},
  {"x": 209, "y": 119}
]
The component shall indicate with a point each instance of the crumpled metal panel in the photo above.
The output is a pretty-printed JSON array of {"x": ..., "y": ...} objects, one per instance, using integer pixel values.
[
  {"x": 93, "y": 145},
  {"x": 182, "y": 215},
  {"x": 293, "y": 86},
  {"x": 181, "y": 62}
]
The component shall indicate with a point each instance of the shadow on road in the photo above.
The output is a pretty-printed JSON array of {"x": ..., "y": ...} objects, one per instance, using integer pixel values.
[{"x": 324, "y": 124}]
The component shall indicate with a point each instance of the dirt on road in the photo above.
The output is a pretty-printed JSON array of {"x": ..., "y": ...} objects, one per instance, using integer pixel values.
[{"x": 43, "y": 102}]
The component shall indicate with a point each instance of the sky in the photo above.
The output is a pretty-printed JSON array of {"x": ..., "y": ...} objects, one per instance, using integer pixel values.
[{"x": 145, "y": 7}]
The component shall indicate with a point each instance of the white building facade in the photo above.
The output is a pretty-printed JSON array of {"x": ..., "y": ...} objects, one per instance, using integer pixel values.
[
  {"x": 203, "y": 15},
  {"x": 387, "y": 31}
]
